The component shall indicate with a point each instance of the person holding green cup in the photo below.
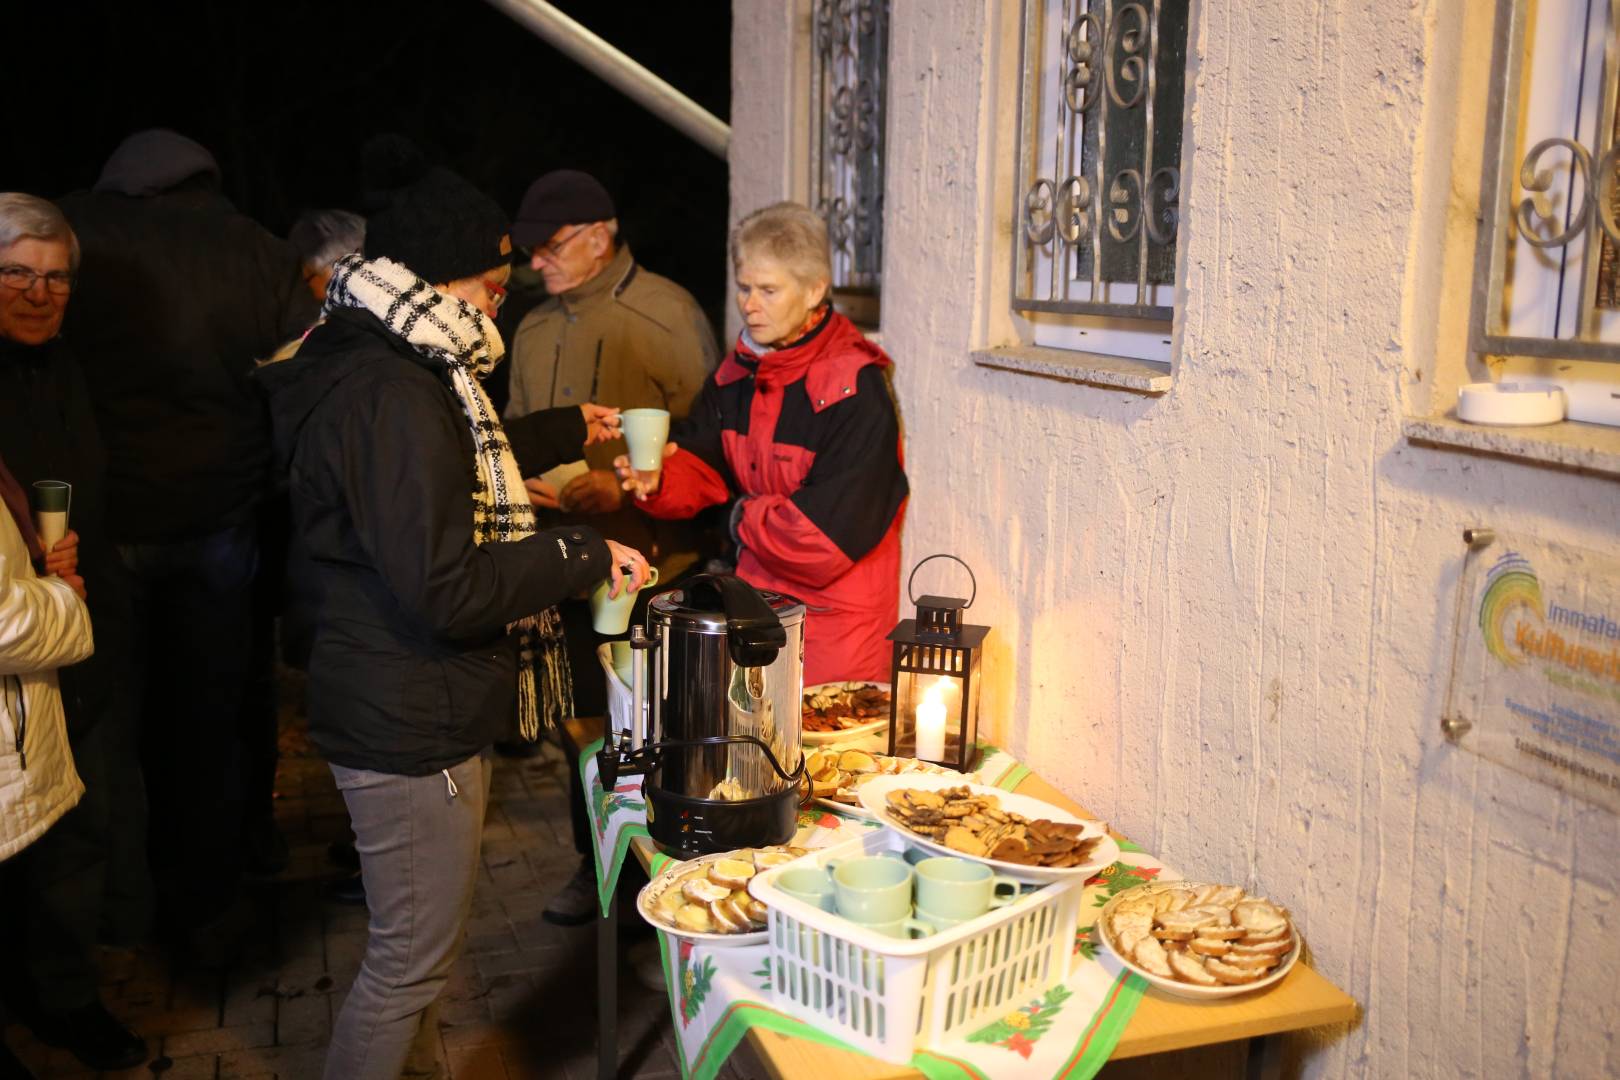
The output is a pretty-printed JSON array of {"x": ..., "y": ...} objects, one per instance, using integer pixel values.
[{"x": 797, "y": 435}]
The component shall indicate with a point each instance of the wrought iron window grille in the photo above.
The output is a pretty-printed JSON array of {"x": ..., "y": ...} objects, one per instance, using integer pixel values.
[
  {"x": 849, "y": 72},
  {"x": 1096, "y": 212},
  {"x": 1541, "y": 215}
]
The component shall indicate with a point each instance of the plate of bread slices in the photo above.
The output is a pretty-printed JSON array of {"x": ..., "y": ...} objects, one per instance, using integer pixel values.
[
  {"x": 706, "y": 899},
  {"x": 836, "y": 773},
  {"x": 1197, "y": 940}
]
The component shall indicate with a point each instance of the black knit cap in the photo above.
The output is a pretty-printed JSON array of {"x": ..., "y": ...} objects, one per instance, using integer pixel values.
[
  {"x": 563, "y": 197},
  {"x": 441, "y": 227}
]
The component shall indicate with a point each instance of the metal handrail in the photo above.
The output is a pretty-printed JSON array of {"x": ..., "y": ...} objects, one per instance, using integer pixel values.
[{"x": 571, "y": 38}]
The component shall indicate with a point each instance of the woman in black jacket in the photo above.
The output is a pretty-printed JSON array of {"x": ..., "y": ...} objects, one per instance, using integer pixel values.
[{"x": 436, "y": 623}]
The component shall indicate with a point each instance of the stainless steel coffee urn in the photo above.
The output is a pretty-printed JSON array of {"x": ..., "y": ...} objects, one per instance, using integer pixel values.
[{"x": 718, "y": 704}]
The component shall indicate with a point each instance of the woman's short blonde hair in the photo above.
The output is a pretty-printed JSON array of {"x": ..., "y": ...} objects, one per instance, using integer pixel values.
[{"x": 789, "y": 232}]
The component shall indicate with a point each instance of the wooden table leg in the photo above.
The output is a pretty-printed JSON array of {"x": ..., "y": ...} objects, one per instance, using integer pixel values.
[
  {"x": 1264, "y": 1058},
  {"x": 607, "y": 991}
]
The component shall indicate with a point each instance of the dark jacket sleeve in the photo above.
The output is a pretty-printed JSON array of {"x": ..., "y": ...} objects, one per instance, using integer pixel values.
[
  {"x": 848, "y": 500},
  {"x": 545, "y": 439},
  {"x": 407, "y": 487}
]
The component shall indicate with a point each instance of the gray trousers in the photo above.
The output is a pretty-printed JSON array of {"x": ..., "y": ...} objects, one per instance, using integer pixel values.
[{"x": 419, "y": 839}]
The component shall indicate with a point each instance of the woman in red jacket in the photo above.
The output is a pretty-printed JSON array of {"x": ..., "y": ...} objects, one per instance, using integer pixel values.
[{"x": 797, "y": 425}]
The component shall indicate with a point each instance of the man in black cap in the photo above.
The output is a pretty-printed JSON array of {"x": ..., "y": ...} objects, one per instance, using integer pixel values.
[{"x": 614, "y": 332}]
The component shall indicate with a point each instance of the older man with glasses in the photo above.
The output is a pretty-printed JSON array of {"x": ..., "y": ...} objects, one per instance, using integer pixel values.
[
  {"x": 55, "y": 892},
  {"x": 615, "y": 332}
]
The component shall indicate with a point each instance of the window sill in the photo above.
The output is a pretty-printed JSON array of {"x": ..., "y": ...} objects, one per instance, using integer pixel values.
[
  {"x": 1588, "y": 448},
  {"x": 1094, "y": 369}
]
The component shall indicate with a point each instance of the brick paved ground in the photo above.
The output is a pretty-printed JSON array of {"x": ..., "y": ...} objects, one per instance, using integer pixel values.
[{"x": 520, "y": 1002}]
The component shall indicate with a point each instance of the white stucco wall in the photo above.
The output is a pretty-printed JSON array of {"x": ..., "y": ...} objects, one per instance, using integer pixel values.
[{"x": 1223, "y": 615}]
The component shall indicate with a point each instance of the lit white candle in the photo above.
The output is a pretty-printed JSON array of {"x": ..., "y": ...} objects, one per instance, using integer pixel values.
[{"x": 931, "y": 725}]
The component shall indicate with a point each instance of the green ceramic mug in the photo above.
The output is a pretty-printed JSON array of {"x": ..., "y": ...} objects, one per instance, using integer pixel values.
[
  {"x": 645, "y": 433},
  {"x": 612, "y": 616},
  {"x": 954, "y": 888},
  {"x": 872, "y": 888},
  {"x": 808, "y": 883}
]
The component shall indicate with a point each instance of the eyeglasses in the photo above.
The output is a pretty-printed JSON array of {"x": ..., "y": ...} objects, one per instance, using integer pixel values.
[
  {"x": 497, "y": 293},
  {"x": 22, "y": 278},
  {"x": 554, "y": 249}
]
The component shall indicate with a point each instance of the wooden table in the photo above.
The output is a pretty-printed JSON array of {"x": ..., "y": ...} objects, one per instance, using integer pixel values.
[{"x": 1161, "y": 1022}]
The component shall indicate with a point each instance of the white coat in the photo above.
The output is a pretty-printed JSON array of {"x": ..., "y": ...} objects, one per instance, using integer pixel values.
[{"x": 43, "y": 626}]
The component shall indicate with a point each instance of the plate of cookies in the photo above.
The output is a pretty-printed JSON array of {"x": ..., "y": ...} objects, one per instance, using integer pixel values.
[
  {"x": 706, "y": 899},
  {"x": 837, "y": 711},
  {"x": 1021, "y": 836},
  {"x": 1198, "y": 940}
]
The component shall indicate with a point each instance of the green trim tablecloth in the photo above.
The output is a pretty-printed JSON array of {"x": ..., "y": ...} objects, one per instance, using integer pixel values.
[{"x": 717, "y": 995}]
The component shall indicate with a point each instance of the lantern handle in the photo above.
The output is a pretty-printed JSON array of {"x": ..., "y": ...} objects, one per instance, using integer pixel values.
[{"x": 953, "y": 558}]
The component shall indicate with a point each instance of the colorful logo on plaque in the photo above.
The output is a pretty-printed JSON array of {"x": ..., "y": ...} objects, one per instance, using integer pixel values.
[
  {"x": 1511, "y": 585},
  {"x": 1520, "y": 626}
]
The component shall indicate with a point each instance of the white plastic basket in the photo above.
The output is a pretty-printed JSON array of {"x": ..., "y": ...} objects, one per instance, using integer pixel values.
[{"x": 889, "y": 996}]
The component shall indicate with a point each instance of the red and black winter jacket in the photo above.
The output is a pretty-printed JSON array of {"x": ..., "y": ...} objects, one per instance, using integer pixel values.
[{"x": 807, "y": 439}]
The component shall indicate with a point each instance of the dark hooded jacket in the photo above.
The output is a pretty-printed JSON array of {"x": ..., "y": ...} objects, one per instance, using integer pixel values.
[
  {"x": 177, "y": 297},
  {"x": 412, "y": 669}
]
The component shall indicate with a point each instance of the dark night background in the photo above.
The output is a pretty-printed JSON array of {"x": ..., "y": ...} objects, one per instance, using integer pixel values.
[{"x": 285, "y": 93}]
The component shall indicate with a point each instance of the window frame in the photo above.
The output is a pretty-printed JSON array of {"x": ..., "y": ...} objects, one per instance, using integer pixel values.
[
  {"x": 856, "y": 291},
  {"x": 1500, "y": 224},
  {"x": 1157, "y": 318}
]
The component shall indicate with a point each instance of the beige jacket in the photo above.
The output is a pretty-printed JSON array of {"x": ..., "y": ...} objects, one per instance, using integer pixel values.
[
  {"x": 43, "y": 626},
  {"x": 629, "y": 338}
]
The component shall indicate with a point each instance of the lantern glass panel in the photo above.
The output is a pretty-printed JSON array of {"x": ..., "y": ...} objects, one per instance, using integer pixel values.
[{"x": 934, "y": 678}]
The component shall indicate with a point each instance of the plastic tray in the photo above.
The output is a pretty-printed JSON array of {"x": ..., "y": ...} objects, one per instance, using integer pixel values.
[{"x": 888, "y": 996}]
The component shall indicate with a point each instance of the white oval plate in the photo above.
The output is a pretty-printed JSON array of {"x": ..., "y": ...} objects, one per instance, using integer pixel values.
[
  {"x": 874, "y": 797},
  {"x": 647, "y": 900},
  {"x": 871, "y": 727},
  {"x": 1176, "y": 986}
]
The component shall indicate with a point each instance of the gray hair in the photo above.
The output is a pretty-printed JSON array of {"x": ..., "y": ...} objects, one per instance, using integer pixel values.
[
  {"x": 28, "y": 217},
  {"x": 322, "y": 237},
  {"x": 789, "y": 232}
]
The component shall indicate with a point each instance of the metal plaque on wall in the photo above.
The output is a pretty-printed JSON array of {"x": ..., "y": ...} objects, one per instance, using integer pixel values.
[{"x": 1535, "y": 669}]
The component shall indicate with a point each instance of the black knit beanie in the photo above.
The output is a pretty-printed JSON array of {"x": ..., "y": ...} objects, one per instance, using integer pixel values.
[{"x": 441, "y": 227}]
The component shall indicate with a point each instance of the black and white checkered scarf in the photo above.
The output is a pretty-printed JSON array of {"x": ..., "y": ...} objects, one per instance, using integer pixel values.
[{"x": 453, "y": 332}]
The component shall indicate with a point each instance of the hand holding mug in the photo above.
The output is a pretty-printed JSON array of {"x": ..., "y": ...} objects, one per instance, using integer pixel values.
[
  {"x": 637, "y": 481},
  {"x": 601, "y": 423},
  {"x": 629, "y": 569}
]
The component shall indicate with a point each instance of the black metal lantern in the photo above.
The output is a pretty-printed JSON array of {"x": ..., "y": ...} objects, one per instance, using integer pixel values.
[{"x": 934, "y": 699}]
